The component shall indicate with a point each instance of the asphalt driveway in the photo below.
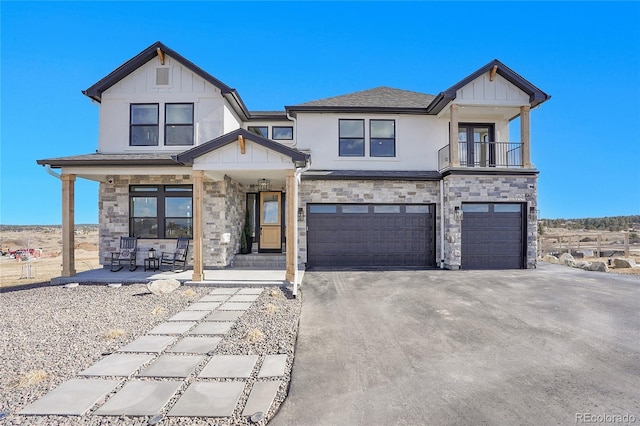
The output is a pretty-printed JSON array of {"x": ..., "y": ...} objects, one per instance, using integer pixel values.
[{"x": 555, "y": 345}]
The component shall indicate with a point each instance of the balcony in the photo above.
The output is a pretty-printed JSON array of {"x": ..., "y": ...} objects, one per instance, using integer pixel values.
[{"x": 483, "y": 154}]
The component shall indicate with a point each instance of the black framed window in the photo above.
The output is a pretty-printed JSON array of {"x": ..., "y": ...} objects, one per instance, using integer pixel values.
[
  {"x": 161, "y": 211},
  {"x": 260, "y": 130},
  {"x": 351, "y": 138},
  {"x": 178, "y": 124},
  {"x": 143, "y": 123},
  {"x": 282, "y": 132},
  {"x": 382, "y": 138}
]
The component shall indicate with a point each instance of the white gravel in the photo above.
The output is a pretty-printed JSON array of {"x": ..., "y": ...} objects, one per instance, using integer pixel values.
[{"x": 63, "y": 331}]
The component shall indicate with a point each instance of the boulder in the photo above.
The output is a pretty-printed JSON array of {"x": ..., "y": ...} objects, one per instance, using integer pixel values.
[
  {"x": 567, "y": 259},
  {"x": 623, "y": 262},
  {"x": 549, "y": 258},
  {"x": 159, "y": 287},
  {"x": 599, "y": 266},
  {"x": 583, "y": 265}
]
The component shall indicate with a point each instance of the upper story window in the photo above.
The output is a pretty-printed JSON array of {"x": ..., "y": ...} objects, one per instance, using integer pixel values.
[
  {"x": 178, "y": 128},
  {"x": 160, "y": 211},
  {"x": 144, "y": 125},
  {"x": 351, "y": 138},
  {"x": 282, "y": 132},
  {"x": 259, "y": 130},
  {"x": 382, "y": 138}
]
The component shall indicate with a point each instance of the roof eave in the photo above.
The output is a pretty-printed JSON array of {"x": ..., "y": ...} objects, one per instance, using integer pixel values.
[
  {"x": 59, "y": 163},
  {"x": 355, "y": 109}
]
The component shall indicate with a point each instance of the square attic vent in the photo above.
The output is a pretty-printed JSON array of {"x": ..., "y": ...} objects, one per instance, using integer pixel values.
[{"x": 162, "y": 76}]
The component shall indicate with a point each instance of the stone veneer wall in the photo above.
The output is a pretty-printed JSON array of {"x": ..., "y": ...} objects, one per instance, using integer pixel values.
[
  {"x": 367, "y": 191},
  {"x": 479, "y": 188},
  {"x": 224, "y": 204}
]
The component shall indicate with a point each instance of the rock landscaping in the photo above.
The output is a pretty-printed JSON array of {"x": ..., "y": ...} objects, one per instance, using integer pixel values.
[{"x": 57, "y": 337}]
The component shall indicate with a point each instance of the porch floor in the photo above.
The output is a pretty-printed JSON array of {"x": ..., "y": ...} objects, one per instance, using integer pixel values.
[{"x": 212, "y": 277}]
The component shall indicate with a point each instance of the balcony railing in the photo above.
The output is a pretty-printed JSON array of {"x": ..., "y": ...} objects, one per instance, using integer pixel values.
[{"x": 483, "y": 154}]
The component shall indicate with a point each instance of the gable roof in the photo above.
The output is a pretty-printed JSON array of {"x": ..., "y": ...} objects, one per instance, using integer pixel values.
[
  {"x": 188, "y": 156},
  {"x": 95, "y": 91},
  {"x": 377, "y": 99},
  {"x": 536, "y": 96}
]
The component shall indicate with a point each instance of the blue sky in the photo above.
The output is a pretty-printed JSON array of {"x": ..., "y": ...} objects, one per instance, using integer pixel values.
[{"x": 585, "y": 140}]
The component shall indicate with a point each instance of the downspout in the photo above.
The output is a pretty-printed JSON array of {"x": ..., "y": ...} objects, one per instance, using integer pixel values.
[
  {"x": 441, "y": 224},
  {"x": 51, "y": 172},
  {"x": 297, "y": 178},
  {"x": 295, "y": 126}
]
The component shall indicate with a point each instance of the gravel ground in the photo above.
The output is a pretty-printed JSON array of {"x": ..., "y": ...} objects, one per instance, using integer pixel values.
[{"x": 49, "y": 334}]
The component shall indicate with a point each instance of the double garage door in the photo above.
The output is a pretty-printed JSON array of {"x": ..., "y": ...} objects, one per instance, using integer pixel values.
[
  {"x": 493, "y": 236},
  {"x": 370, "y": 235}
]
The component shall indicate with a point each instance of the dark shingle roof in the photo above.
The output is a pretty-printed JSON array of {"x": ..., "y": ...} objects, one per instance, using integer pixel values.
[
  {"x": 131, "y": 159},
  {"x": 379, "y": 98}
]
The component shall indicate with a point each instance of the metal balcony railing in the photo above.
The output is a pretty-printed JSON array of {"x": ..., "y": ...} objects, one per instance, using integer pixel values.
[{"x": 484, "y": 154}]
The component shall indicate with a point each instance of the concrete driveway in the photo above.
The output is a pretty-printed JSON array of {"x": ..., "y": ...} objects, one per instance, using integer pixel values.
[{"x": 555, "y": 345}]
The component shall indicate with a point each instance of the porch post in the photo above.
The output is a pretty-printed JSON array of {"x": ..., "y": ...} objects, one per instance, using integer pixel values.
[
  {"x": 454, "y": 157},
  {"x": 198, "y": 229},
  {"x": 290, "y": 225},
  {"x": 525, "y": 137},
  {"x": 68, "y": 231}
]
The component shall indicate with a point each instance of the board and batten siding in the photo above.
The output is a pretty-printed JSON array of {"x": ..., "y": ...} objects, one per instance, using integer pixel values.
[
  {"x": 483, "y": 91},
  {"x": 212, "y": 115}
]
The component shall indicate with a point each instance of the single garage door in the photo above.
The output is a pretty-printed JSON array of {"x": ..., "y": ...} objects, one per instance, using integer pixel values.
[
  {"x": 370, "y": 235},
  {"x": 492, "y": 236}
]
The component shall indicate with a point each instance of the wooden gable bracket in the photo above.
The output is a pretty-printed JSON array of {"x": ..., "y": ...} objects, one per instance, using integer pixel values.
[
  {"x": 160, "y": 55},
  {"x": 492, "y": 73},
  {"x": 241, "y": 142}
]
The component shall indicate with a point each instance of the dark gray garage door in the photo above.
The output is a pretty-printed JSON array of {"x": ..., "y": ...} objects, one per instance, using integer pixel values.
[
  {"x": 492, "y": 236},
  {"x": 370, "y": 235}
]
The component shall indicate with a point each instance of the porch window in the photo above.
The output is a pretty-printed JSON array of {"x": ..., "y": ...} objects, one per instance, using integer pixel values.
[
  {"x": 178, "y": 128},
  {"x": 143, "y": 125},
  {"x": 351, "y": 138},
  {"x": 161, "y": 211}
]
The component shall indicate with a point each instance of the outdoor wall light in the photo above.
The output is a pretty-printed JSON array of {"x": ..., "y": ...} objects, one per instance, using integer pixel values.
[
  {"x": 300, "y": 214},
  {"x": 457, "y": 213},
  {"x": 533, "y": 213},
  {"x": 264, "y": 185}
]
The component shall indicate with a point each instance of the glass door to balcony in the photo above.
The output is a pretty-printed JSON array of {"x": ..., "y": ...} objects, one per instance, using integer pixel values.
[{"x": 476, "y": 147}]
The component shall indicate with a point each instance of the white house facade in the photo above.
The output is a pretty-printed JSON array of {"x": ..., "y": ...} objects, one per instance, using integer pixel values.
[{"x": 383, "y": 178}]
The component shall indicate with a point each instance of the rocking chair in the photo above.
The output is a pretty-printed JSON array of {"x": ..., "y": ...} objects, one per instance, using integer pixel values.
[
  {"x": 126, "y": 254},
  {"x": 179, "y": 256}
]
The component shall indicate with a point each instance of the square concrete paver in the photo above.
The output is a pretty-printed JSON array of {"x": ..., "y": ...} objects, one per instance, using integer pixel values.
[
  {"x": 189, "y": 316},
  {"x": 244, "y": 298},
  {"x": 148, "y": 344},
  {"x": 242, "y": 306},
  {"x": 195, "y": 345},
  {"x": 261, "y": 397},
  {"x": 117, "y": 365},
  {"x": 251, "y": 291},
  {"x": 208, "y": 399},
  {"x": 172, "y": 327},
  {"x": 73, "y": 398},
  {"x": 172, "y": 366},
  {"x": 273, "y": 366},
  {"x": 202, "y": 306},
  {"x": 229, "y": 366},
  {"x": 212, "y": 328},
  {"x": 224, "y": 291},
  {"x": 214, "y": 298},
  {"x": 140, "y": 398},
  {"x": 224, "y": 315}
]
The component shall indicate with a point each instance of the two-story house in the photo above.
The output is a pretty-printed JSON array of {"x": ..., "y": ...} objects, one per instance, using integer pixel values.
[{"x": 380, "y": 178}]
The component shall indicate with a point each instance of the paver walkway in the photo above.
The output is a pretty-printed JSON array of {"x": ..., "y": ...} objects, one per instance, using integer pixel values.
[{"x": 143, "y": 377}]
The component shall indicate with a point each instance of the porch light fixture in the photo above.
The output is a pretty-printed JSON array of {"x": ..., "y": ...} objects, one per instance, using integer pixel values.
[
  {"x": 152, "y": 253},
  {"x": 457, "y": 213},
  {"x": 300, "y": 214},
  {"x": 533, "y": 213},
  {"x": 264, "y": 185}
]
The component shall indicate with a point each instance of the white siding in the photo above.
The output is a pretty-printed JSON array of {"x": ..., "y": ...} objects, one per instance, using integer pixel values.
[
  {"x": 418, "y": 139},
  {"x": 212, "y": 114},
  {"x": 230, "y": 157},
  {"x": 483, "y": 91}
]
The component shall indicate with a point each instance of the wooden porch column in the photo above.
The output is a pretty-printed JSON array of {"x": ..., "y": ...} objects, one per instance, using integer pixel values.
[
  {"x": 525, "y": 136},
  {"x": 290, "y": 225},
  {"x": 198, "y": 225},
  {"x": 68, "y": 222},
  {"x": 454, "y": 157}
]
